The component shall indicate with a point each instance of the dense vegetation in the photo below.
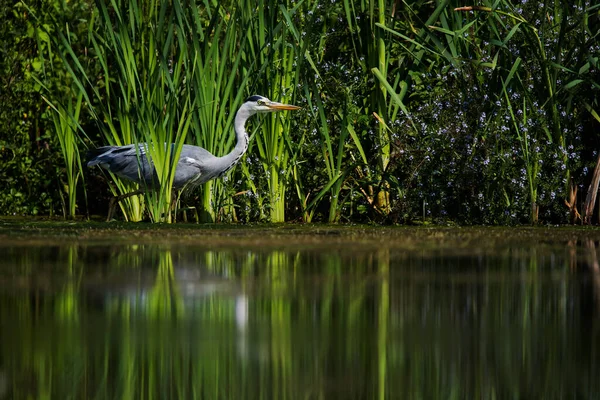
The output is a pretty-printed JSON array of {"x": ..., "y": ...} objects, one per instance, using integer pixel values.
[{"x": 414, "y": 110}]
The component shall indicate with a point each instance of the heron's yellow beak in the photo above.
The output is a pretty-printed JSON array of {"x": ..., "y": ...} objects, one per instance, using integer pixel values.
[{"x": 280, "y": 106}]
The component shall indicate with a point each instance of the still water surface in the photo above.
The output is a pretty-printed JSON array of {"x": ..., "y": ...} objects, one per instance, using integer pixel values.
[{"x": 298, "y": 312}]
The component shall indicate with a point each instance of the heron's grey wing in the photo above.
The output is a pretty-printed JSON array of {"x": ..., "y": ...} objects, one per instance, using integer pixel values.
[
  {"x": 126, "y": 162},
  {"x": 193, "y": 167},
  {"x": 188, "y": 172},
  {"x": 94, "y": 156}
]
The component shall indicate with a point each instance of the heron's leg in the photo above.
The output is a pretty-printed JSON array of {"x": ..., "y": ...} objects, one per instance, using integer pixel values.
[
  {"x": 184, "y": 215},
  {"x": 112, "y": 205},
  {"x": 111, "y": 208},
  {"x": 183, "y": 210},
  {"x": 173, "y": 208}
]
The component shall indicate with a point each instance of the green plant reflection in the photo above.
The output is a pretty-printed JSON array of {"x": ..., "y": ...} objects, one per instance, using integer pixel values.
[{"x": 180, "y": 322}]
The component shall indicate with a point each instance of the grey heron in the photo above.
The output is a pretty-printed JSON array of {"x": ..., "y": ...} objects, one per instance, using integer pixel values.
[{"x": 195, "y": 166}]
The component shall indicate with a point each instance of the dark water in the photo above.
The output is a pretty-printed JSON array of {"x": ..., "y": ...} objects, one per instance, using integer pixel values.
[{"x": 298, "y": 313}]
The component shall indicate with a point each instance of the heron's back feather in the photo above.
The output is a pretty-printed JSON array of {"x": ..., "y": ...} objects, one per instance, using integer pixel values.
[{"x": 195, "y": 164}]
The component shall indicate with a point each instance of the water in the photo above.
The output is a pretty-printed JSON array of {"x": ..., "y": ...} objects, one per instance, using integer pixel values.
[{"x": 107, "y": 312}]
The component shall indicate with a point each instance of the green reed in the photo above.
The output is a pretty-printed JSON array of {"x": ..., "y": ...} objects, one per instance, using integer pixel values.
[
  {"x": 387, "y": 95},
  {"x": 141, "y": 49},
  {"x": 66, "y": 125},
  {"x": 336, "y": 163},
  {"x": 147, "y": 43},
  {"x": 213, "y": 75},
  {"x": 279, "y": 48}
]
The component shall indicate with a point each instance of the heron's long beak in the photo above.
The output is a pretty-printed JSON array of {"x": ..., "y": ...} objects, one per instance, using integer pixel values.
[{"x": 280, "y": 106}]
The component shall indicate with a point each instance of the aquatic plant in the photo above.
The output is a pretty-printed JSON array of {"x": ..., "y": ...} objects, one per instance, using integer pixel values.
[{"x": 66, "y": 124}]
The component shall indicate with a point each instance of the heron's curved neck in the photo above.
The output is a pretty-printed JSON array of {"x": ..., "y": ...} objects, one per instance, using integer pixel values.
[
  {"x": 241, "y": 136},
  {"x": 241, "y": 145}
]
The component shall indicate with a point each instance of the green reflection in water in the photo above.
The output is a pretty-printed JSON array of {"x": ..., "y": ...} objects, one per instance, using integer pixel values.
[
  {"x": 383, "y": 258},
  {"x": 182, "y": 322}
]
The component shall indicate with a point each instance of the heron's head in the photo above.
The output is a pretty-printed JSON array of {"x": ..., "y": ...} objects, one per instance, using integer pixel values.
[{"x": 260, "y": 104}]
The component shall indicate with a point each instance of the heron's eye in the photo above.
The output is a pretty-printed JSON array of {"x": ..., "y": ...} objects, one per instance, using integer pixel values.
[{"x": 260, "y": 102}]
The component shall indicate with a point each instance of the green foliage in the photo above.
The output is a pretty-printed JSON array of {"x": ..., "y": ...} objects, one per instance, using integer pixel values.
[
  {"x": 142, "y": 98},
  {"x": 280, "y": 47},
  {"x": 212, "y": 72},
  {"x": 412, "y": 111},
  {"x": 500, "y": 120},
  {"x": 31, "y": 165},
  {"x": 66, "y": 125}
]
